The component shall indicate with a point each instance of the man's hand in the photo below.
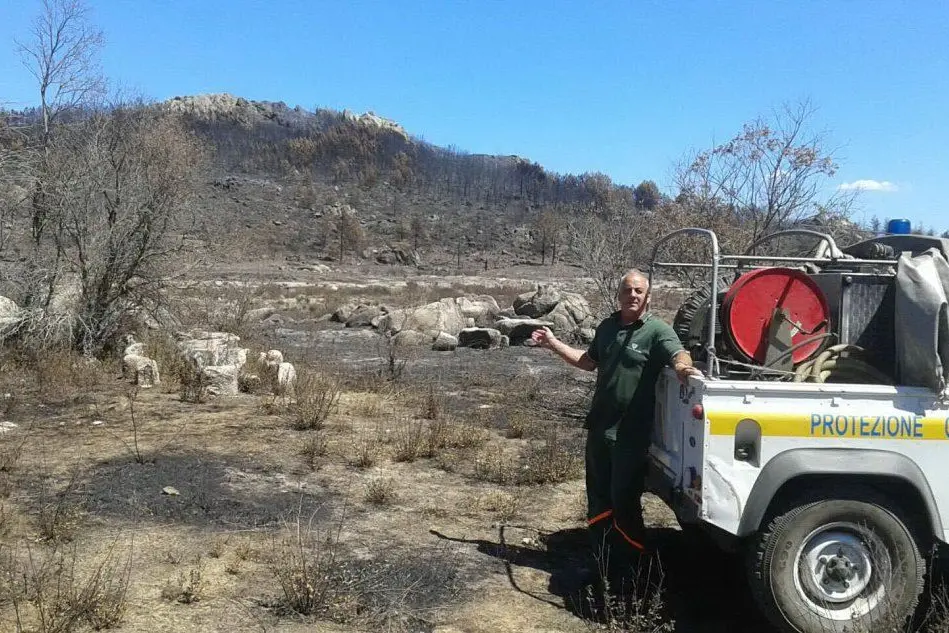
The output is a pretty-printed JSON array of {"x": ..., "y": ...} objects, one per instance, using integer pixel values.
[
  {"x": 682, "y": 364},
  {"x": 684, "y": 371},
  {"x": 543, "y": 337}
]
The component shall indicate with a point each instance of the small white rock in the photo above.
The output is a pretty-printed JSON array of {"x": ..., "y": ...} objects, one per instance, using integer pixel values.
[{"x": 168, "y": 490}]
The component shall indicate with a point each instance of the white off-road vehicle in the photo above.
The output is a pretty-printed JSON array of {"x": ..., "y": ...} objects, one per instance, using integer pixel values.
[{"x": 817, "y": 442}]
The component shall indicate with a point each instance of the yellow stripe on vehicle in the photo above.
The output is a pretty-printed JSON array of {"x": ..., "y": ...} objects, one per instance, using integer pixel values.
[{"x": 902, "y": 426}]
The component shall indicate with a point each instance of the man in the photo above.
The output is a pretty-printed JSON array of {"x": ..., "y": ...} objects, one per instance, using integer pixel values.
[{"x": 629, "y": 350}]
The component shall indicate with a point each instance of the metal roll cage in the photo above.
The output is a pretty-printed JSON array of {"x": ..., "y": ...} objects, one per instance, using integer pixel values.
[{"x": 827, "y": 245}]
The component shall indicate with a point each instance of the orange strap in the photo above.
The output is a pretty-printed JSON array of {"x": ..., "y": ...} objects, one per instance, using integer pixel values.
[
  {"x": 603, "y": 515},
  {"x": 635, "y": 544}
]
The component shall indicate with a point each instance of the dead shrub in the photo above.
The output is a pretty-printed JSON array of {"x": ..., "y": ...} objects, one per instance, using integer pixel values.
[
  {"x": 432, "y": 404},
  {"x": 636, "y": 607},
  {"x": 313, "y": 447},
  {"x": 171, "y": 362},
  {"x": 937, "y": 619},
  {"x": 380, "y": 491},
  {"x": 307, "y": 565},
  {"x": 266, "y": 382},
  {"x": 65, "y": 377},
  {"x": 11, "y": 448},
  {"x": 192, "y": 383},
  {"x": 217, "y": 547},
  {"x": 365, "y": 452},
  {"x": 554, "y": 460},
  {"x": 394, "y": 360},
  {"x": 61, "y": 514},
  {"x": 186, "y": 589},
  {"x": 465, "y": 436},
  {"x": 61, "y": 596},
  {"x": 8, "y": 404},
  {"x": 317, "y": 397},
  {"x": 410, "y": 441},
  {"x": 421, "y": 439},
  {"x": 4, "y": 520},
  {"x": 439, "y": 436}
]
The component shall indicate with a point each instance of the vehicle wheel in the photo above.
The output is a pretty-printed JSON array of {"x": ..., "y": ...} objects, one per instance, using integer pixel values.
[
  {"x": 691, "y": 320},
  {"x": 838, "y": 564}
]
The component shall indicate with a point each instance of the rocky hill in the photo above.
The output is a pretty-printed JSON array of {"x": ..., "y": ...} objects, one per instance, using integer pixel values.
[{"x": 288, "y": 180}]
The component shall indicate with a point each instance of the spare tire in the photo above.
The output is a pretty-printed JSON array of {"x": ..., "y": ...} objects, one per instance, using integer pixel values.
[{"x": 691, "y": 320}]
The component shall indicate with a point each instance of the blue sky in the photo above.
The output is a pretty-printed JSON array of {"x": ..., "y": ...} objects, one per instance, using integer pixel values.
[{"x": 622, "y": 87}]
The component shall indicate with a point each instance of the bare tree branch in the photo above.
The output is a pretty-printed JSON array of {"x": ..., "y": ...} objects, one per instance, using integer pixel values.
[{"x": 62, "y": 55}]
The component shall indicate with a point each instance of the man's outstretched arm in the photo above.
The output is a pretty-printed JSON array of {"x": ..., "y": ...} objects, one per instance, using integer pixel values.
[{"x": 576, "y": 357}]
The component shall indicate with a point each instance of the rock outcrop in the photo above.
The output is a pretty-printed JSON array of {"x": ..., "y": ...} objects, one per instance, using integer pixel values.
[
  {"x": 430, "y": 319},
  {"x": 218, "y": 356},
  {"x": 477, "y": 320},
  {"x": 480, "y": 338},
  {"x": 519, "y": 331},
  {"x": 445, "y": 342},
  {"x": 137, "y": 368}
]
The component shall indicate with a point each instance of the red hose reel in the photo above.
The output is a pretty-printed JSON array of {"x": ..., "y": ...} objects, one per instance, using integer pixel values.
[{"x": 757, "y": 297}]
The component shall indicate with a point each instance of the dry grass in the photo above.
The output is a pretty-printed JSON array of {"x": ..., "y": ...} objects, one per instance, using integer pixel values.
[
  {"x": 636, "y": 607},
  {"x": 64, "y": 377},
  {"x": 528, "y": 387},
  {"x": 410, "y": 441},
  {"x": 314, "y": 447},
  {"x": 238, "y": 468},
  {"x": 186, "y": 588},
  {"x": 369, "y": 405},
  {"x": 392, "y": 591},
  {"x": 496, "y": 465},
  {"x": 555, "y": 459},
  {"x": 520, "y": 424},
  {"x": 380, "y": 491},
  {"x": 502, "y": 505}
]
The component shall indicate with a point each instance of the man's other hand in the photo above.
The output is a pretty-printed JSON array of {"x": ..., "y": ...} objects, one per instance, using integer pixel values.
[{"x": 543, "y": 337}]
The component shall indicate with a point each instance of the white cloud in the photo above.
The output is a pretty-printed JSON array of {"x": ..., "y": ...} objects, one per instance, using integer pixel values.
[{"x": 869, "y": 185}]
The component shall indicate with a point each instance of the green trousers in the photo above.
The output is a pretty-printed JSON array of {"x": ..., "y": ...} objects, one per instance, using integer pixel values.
[{"x": 615, "y": 480}]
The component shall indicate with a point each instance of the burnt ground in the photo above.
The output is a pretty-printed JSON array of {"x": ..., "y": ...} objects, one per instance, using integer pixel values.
[{"x": 443, "y": 492}]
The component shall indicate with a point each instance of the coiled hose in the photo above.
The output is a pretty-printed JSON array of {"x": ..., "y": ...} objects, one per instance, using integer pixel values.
[{"x": 842, "y": 363}]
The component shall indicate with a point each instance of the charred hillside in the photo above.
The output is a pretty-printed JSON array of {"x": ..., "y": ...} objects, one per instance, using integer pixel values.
[{"x": 334, "y": 185}]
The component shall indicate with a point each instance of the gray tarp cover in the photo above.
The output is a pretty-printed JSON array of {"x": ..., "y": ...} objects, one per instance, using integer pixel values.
[{"x": 922, "y": 320}]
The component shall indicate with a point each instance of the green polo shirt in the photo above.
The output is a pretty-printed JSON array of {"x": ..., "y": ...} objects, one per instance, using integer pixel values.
[{"x": 629, "y": 359}]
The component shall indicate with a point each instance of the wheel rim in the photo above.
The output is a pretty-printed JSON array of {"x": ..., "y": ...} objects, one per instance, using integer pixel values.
[{"x": 839, "y": 571}]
